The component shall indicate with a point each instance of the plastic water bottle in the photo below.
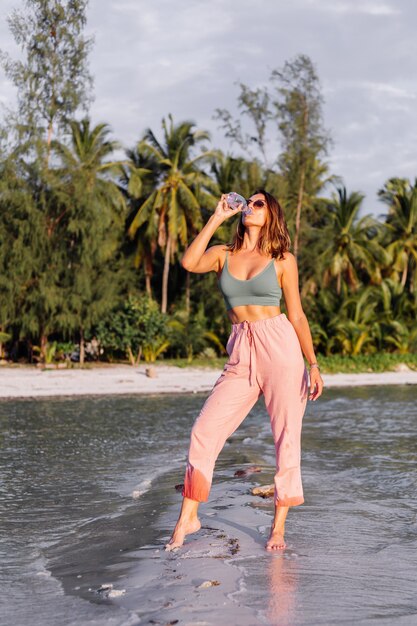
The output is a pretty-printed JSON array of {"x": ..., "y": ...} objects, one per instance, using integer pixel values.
[{"x": 235, "y": 199}]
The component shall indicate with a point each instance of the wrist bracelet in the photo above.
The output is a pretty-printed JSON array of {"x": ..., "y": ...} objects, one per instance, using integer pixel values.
[{"x": 314, "y": 365}]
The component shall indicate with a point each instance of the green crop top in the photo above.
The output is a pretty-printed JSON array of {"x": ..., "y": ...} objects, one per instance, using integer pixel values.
[{"x": 262, "y": 289}]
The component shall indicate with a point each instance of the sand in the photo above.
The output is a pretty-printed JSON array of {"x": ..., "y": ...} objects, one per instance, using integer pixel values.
[{"x": 32, "y": 382}]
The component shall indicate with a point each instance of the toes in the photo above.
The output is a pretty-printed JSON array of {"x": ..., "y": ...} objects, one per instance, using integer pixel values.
[
  {"x": 275, "y": 546},
  {"x": 174, "y": 544}
]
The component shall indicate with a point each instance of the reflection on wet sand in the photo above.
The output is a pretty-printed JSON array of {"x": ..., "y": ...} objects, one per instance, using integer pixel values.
[{"x": 282, "y": 579}]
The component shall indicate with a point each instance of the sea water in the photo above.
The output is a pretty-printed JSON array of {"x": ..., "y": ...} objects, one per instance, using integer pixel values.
[{"x": 87, "y": 498}]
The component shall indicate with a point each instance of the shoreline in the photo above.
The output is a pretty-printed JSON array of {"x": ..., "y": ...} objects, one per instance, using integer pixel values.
[{"x": 31, "y": 382}]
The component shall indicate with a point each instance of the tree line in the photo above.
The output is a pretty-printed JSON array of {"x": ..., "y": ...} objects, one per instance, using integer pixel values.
[{"x": 90, "y": 243}]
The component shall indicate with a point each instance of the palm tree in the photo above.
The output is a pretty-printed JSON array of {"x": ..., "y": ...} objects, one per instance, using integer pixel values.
[
  {"x": 396, "y": 312},
  {"x": 402, "y": 337},
  {"x": 356, "y": 324},
  {"x": 138, "y": 180},
  {"x": 88, "y": 154},
  {"x": 238, "y": 174},
  {"x": 90, "y": 214},
  {"x": 401, "y": 225},
  {"x": 323, "y": 307},
  {"x": 226, "y": 171},
  {"x": 172, "y": 210},
  {"x": 351, "y": 245}
]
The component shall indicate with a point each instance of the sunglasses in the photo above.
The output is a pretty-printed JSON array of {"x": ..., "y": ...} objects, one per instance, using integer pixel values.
[{"x": 258, "y": 204}]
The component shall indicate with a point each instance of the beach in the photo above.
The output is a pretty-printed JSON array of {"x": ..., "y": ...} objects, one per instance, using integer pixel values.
[
  {"x": 32, "y": 382},
  {"x": 89, "y": 499}
]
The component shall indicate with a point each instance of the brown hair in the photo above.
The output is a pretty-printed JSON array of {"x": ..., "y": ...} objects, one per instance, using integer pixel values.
[{"x": 274, "y": 238}]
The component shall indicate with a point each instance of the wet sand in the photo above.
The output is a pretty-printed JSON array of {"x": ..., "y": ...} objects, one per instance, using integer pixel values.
[
  {"x": 88, "y": 489},
  {"x": 204, "y": 581},
  {"x": 32, "y": 382}
]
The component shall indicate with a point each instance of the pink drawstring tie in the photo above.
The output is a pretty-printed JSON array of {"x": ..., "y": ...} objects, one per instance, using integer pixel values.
[{"x": 248, "y": 328}]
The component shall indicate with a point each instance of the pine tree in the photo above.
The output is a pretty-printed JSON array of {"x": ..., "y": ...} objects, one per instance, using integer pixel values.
[
  {"x": 298, "y": 104},
  {"x": 53, "y": 84},
  {"x": 52, "y": 78}
]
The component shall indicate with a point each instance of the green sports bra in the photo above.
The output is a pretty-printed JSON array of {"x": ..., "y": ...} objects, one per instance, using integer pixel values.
[{"x": 262, "y": 289}]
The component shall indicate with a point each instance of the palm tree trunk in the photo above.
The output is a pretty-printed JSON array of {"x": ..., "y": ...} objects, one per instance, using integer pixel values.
[
  {"x": 298, "y": 213},
  {"x": 148, "y": 285},
  {"x": 187, "y": 292},
  {"x": 82, "y": 351},
  {"x": 130, "y": 355},
  {"x": 148, "y": 274},
  {"x": 138, "y": 356},
  {"x": 165, "y": 275},
  {"x": 404, "y": 275},
  {"x": 44, "y": 342},
  {"x": 302, "y": 177}
]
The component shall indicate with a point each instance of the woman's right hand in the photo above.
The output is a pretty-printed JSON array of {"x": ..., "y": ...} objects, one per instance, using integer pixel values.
[
  {"x": 223, "y": 210},
  {"x": 197, "y": 257}
]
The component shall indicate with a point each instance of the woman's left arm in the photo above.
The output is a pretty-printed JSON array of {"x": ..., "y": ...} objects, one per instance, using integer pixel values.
[{"x": 298, "y": 319}]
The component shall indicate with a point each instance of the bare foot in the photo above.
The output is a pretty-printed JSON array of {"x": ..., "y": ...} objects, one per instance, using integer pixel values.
[
  {"x": 181, "y": 529},
  {"x": 276, "y": 539}
]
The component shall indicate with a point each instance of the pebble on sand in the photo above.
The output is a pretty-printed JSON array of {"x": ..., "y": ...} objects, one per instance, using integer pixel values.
[
  {"x": 208, "y": 583},
  {"x": 151, "y": 372},
  {"x": 247, "y": 471},
  {"x": 266, "y": 491},
  {"x": 106, "y": 590}
]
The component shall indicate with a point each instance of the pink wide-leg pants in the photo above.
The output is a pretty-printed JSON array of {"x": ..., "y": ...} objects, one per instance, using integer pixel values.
[{"x": 265, "y": 357}]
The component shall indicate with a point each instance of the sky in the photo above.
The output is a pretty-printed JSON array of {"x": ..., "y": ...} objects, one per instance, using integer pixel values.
[{"x": 185, "y": 58}]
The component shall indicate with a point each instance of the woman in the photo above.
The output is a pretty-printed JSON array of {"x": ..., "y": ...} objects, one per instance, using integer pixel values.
[{"x": 264, "y": 351}]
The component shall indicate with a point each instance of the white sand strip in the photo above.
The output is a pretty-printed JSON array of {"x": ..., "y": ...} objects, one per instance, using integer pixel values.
[
  {"x": 25, "y": 382},
  {"x": 31, "y": 382}
]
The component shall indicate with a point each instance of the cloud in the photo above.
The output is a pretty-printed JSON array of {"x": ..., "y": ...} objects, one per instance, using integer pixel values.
[
  {"x": 355, "y": 6},
  {"x": 404, "y": 90},
  {"x": 184, "y": 58}
]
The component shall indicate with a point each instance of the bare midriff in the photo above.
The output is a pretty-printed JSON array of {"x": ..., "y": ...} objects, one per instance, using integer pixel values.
[{"x": 252, "y": 313}]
